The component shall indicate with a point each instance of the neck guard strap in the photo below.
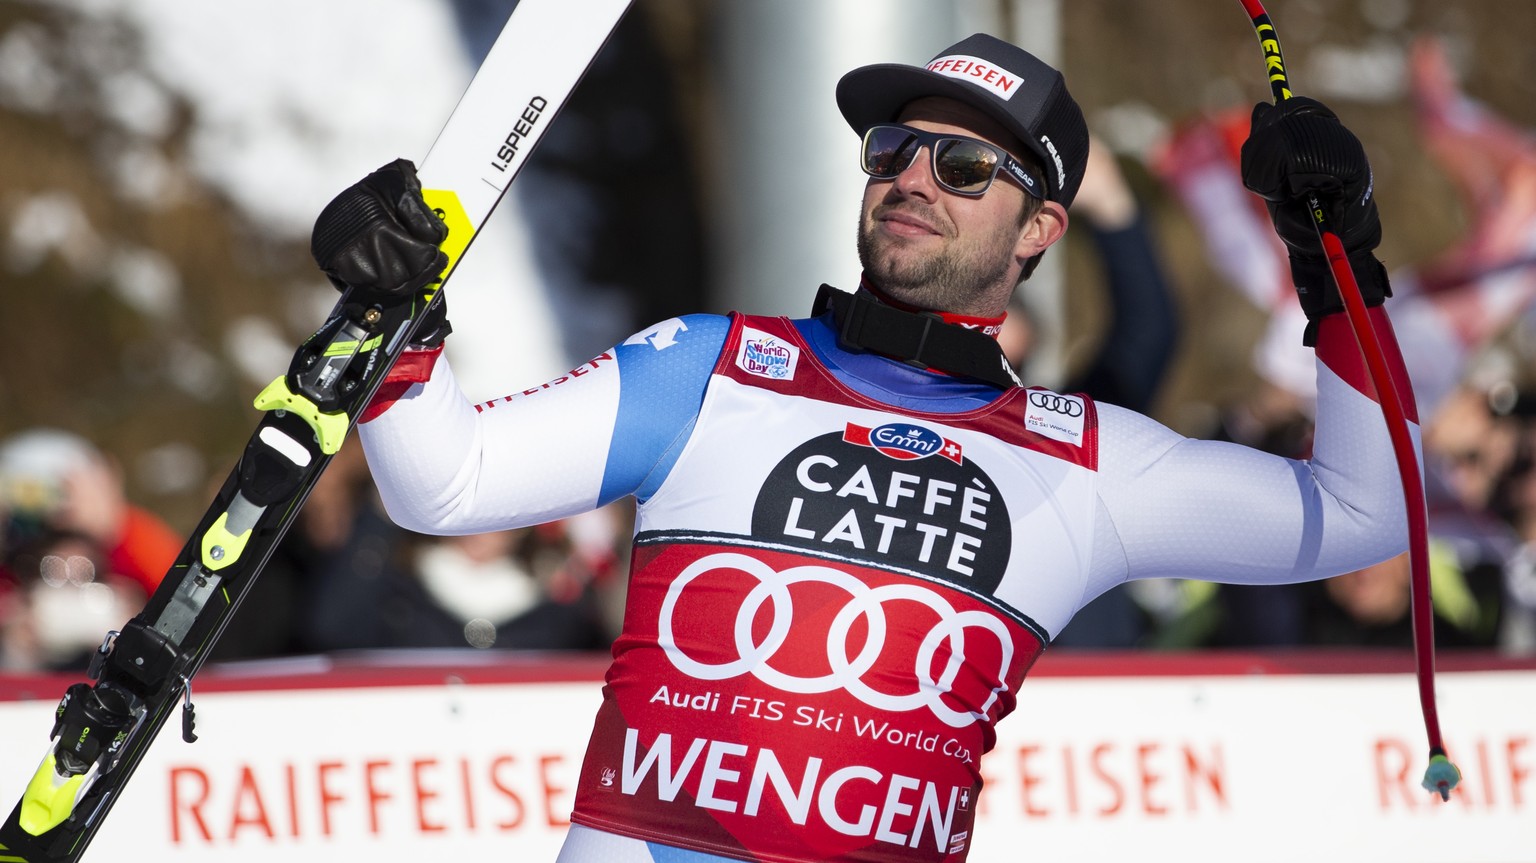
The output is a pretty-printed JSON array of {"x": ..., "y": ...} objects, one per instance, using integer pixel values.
[{"x": 920, "y": 339}]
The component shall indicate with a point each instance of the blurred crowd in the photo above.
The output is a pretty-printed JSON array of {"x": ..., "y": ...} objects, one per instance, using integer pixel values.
[
  {"x": 1465, "y": 324},
  {"x": 77, "y": 558}
]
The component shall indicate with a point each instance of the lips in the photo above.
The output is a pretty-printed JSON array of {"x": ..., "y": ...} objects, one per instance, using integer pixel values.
[{"x": 904, "y": 223}]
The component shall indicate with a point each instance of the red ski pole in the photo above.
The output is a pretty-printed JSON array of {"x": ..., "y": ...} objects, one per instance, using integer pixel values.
[{"x": 1441, "y": 775}]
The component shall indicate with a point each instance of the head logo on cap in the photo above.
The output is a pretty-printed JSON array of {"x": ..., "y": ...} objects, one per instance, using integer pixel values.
[{"x": 974, "y": 70}]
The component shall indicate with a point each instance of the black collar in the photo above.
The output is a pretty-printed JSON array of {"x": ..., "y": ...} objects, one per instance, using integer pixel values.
[{"x": 920, "y": 339}]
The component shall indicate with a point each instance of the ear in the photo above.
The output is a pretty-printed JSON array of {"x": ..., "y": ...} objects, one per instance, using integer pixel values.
[{"x": 1042, "y": 230}]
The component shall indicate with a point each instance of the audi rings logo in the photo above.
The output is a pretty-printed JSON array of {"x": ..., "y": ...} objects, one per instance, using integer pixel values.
[
  {"x": 952, "y": 629},
  {"x": 1057, "y": 403}
]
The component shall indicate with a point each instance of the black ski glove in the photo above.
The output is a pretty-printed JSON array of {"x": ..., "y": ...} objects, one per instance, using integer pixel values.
[
  {"x": 380, "y": 238},
  {"x": 1299, "y": 146}
]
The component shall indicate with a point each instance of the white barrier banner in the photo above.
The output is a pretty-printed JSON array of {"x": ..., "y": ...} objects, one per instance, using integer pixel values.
[{"x": 1262, "y": 768}]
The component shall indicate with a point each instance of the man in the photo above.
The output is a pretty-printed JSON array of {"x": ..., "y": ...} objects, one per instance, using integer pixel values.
[{"x": 854, "y": 532}]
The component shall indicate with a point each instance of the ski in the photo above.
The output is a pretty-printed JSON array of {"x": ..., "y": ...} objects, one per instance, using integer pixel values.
[{"x": 143, "y": 672}]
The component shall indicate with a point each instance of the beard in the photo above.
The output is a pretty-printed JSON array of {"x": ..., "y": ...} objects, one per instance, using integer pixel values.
[{"x": 965, "y": 277}]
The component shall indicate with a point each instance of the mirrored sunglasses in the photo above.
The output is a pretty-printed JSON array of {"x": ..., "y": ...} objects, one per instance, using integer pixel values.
[{"x": 965, "y": 166}]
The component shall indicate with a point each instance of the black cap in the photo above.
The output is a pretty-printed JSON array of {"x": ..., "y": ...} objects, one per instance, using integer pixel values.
[{"x": 1006, "y": 82}]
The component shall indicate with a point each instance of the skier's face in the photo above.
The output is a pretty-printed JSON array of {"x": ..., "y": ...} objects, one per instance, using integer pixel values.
[{"x": 935, "y": 249}]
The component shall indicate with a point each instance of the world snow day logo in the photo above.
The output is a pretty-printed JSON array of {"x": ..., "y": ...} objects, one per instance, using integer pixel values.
[{"x": 766, "y": 355}]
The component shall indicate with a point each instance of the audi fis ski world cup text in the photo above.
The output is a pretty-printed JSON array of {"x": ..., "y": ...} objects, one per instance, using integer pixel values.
[
  {"x": 1056, "y": 416},
  {"x": 865, "y": 604}
]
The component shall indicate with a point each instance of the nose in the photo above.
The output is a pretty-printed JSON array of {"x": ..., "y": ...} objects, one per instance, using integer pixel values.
[{"x": 916, "y": 180}]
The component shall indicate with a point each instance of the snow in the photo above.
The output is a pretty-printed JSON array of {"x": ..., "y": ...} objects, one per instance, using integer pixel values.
[
  {"x": 295, "y": 98},
  {"x": 293, "y": 101}
]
